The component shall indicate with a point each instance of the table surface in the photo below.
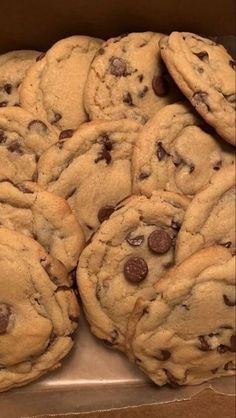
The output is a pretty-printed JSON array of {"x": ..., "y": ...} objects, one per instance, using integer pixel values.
[{"x": 207, "y": 404}]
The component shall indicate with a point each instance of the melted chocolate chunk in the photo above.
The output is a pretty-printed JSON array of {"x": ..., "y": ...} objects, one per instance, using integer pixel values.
[
  {"x": 160, "y": 86},
  {"x": 230, "y": 366},
  {"x": 173, "y": 382},
  {"x": 104, "y": 154},
  {"x": 143, "y": 176},
  {"x": 38, "y": 126},
  {"x": 222, "y": 348},
  {"x": 135, "y": 269},
  {"x": 23, "y": 188},
  {"x": 4, "y": 103},
  {"x": 229, "y": 302},
  {"x": 140, "y": 77},
  {"x": 217, "y": 166},
  {"x": 233, "y": 343},
  {"x": 3, "y": 137},
  {"x": 203, "y": 55},
  {"x": 143, "y": 93},
  {"x": 105, "y": 212},
  {"x": 164, "y": 355},
  {"x": 14, "y": 146},
  {"x": 101, "y": 51},
  {"x": 200, "y": 97},
  {"x": 191, "y": 168},
  {"x": 227, "y": 244},
  {"x": 41, "y": 56},
  {"x": 160, "y": 152},
  {"x": 204, "y": 346},
  {"x": 8, "y": 88},
  {"x": 128, "y": 99},
  {"x": 232, "y": 64},
  {"x": 135, "y": 241},
  {"x": 159, "y": 241},
  {"x": 118, "y": 67},
  {"x": 5, "y": 313},
  {"x": 175, "y": 225},
  {"x": 56, "y": 118},
  {"x": 67, "y": 133}
]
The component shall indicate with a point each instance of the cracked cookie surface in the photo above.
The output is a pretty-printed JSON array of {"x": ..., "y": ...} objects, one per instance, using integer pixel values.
[
  {"x": 38, "y": 310},
  {"x": 186, "y": 334},
  {"x": 210, "y": 217},
  {"x": 91, "y": 169},
  {"x": 130, "y": 251},
  {"x": 127, "y": 79},
  {"x": 205, "y": 73},
  {"x": 43, "y": 216},
  {"x": 23, "y": 138},
  {"x": 13, "y": 67},
  {"x": 54, "y": 86},
  {"x": 174, "y": 152}
]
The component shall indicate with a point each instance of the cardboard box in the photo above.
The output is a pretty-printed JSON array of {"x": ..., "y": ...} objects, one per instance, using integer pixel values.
[{"x": 110, "y": 381}]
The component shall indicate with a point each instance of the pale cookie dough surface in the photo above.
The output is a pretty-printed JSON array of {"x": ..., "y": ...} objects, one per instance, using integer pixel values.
[
  {"x": 127, "y": 79},
  {"x": 174, "y": 152},
  {"x": 205, "y": 73},
  {"x": 54, "y": 86},
  {"x": 45, "y": 217},
  {"x": 128, "y": 254},
  {"x": 23, "y": 138},
  {"x": 13, "y": 67},
  {"x": 38, "y": 310},
  {"x": 186, "y": 335},
  {"x": 91, "y": 169},
  {"x": 210, "y": 218}
]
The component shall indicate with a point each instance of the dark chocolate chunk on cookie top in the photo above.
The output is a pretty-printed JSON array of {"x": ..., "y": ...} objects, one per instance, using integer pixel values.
[
  {"x": 105, "y": 212},
  {"x": 135, "y": 269},
  {"x": 159, "y": 241},
  {"x": 117, "y": 66},
  {"x": 160, "y": 86}
]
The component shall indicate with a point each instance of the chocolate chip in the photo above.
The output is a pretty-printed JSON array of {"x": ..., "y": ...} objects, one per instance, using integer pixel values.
[
  {"x": 41, "y": 56},
  {"x": 48, "y": 268},
  {"x": 14, "y": 146},
  {"x": 105, "y": 212},
  {"x": 23, "y": 188},
  {"x": 204, "y": 344},
  {"x": 175, "y": 225},
  {"x": 127, "y": 98},
  {"x": 214, "y": 371},
  {"x": 8, "y": 88},
  {"x": 135, "y": 241},
  {"x": 233, "y": 343},
  {"x": 117, "y": 66},
  {"x": 229, "y": 302},
  {"x": 217, "y": 166},
  {"x": 199, "y": 98},
  {"x": 159, "y": 241},
  {"x": 112, "y": 341},
  {"x": 38, "y": 126},
  {"x": 227, "y": 244},
  {"x": 171, "y": 379},
  {"x": 160, "y": 152},
  {"x": 3, "y": 137},
  {"x": 143, "y": 176},
  {"x": 229, "y": 366},
  {"x": 222, "y": 348},
  {"x": 160, "y": 86},
  {"x": 67, "y": 133},
  {"x": 56, "y": 118},
  {"x": 232, "y": 64},
  {"x": 142, "y": 93},
  {"x": 164, "y": 355},
  {"x": 191, "y": 168},
  {"x": 5, "y": 314},
  {"x": 3, "y": 104},
  {"x": 225, "y": 326},
  {"x": 101, "y": 51},
  {"x": 140, "y": 77},
  {"x": 203, "y": 55},
  {"x": 135, "y": 269},
  {"x": 231, "y": 98},
  {"x": 104, "y": 154}
]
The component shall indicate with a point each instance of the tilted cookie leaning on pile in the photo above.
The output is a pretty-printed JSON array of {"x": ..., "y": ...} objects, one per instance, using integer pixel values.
[{"x": 103, "y": 161}]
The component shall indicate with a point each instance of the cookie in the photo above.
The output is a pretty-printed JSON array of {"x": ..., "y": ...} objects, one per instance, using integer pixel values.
[
  {"x": 127, "y": 255},
  {"x": 54, "y": 86},
  {"x": 13, "y": 67},
  {"x": 210, "y": 218},
  {"x": 174, "y": 152},
  {"x": 45, "y": 217},
  {"x": 127, "y": 79},
  {"x": 185, "y": 335},
  {"x": 38, "y": 310},
  {"x": 205, "y": 73},
  {"x": 23, "y": 138},
  {"x": 91, "y": 169}
]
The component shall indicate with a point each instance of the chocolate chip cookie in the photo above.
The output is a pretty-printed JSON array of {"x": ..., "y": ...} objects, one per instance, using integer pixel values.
[
  {"x": 210, "y": 218},
  {"x": 175, "y": 151},
  {"x": 129, "y": 253},
  {"x": 205, "y": 73},
  {"x": 38, "y": 310},
  {"x": 13, "y": 67},
  {"x": 91, "y": 169},
  {"x": 127, "y": 79},
  {"x": 44, "y": 217},
  {"x": 23, "y": 138},
  {"x": 54, "y": 86},
  {"x": 185, "y": 335}
]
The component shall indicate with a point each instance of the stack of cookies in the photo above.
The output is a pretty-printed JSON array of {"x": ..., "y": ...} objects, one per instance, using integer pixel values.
[{"x": 119, "y": 155}]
